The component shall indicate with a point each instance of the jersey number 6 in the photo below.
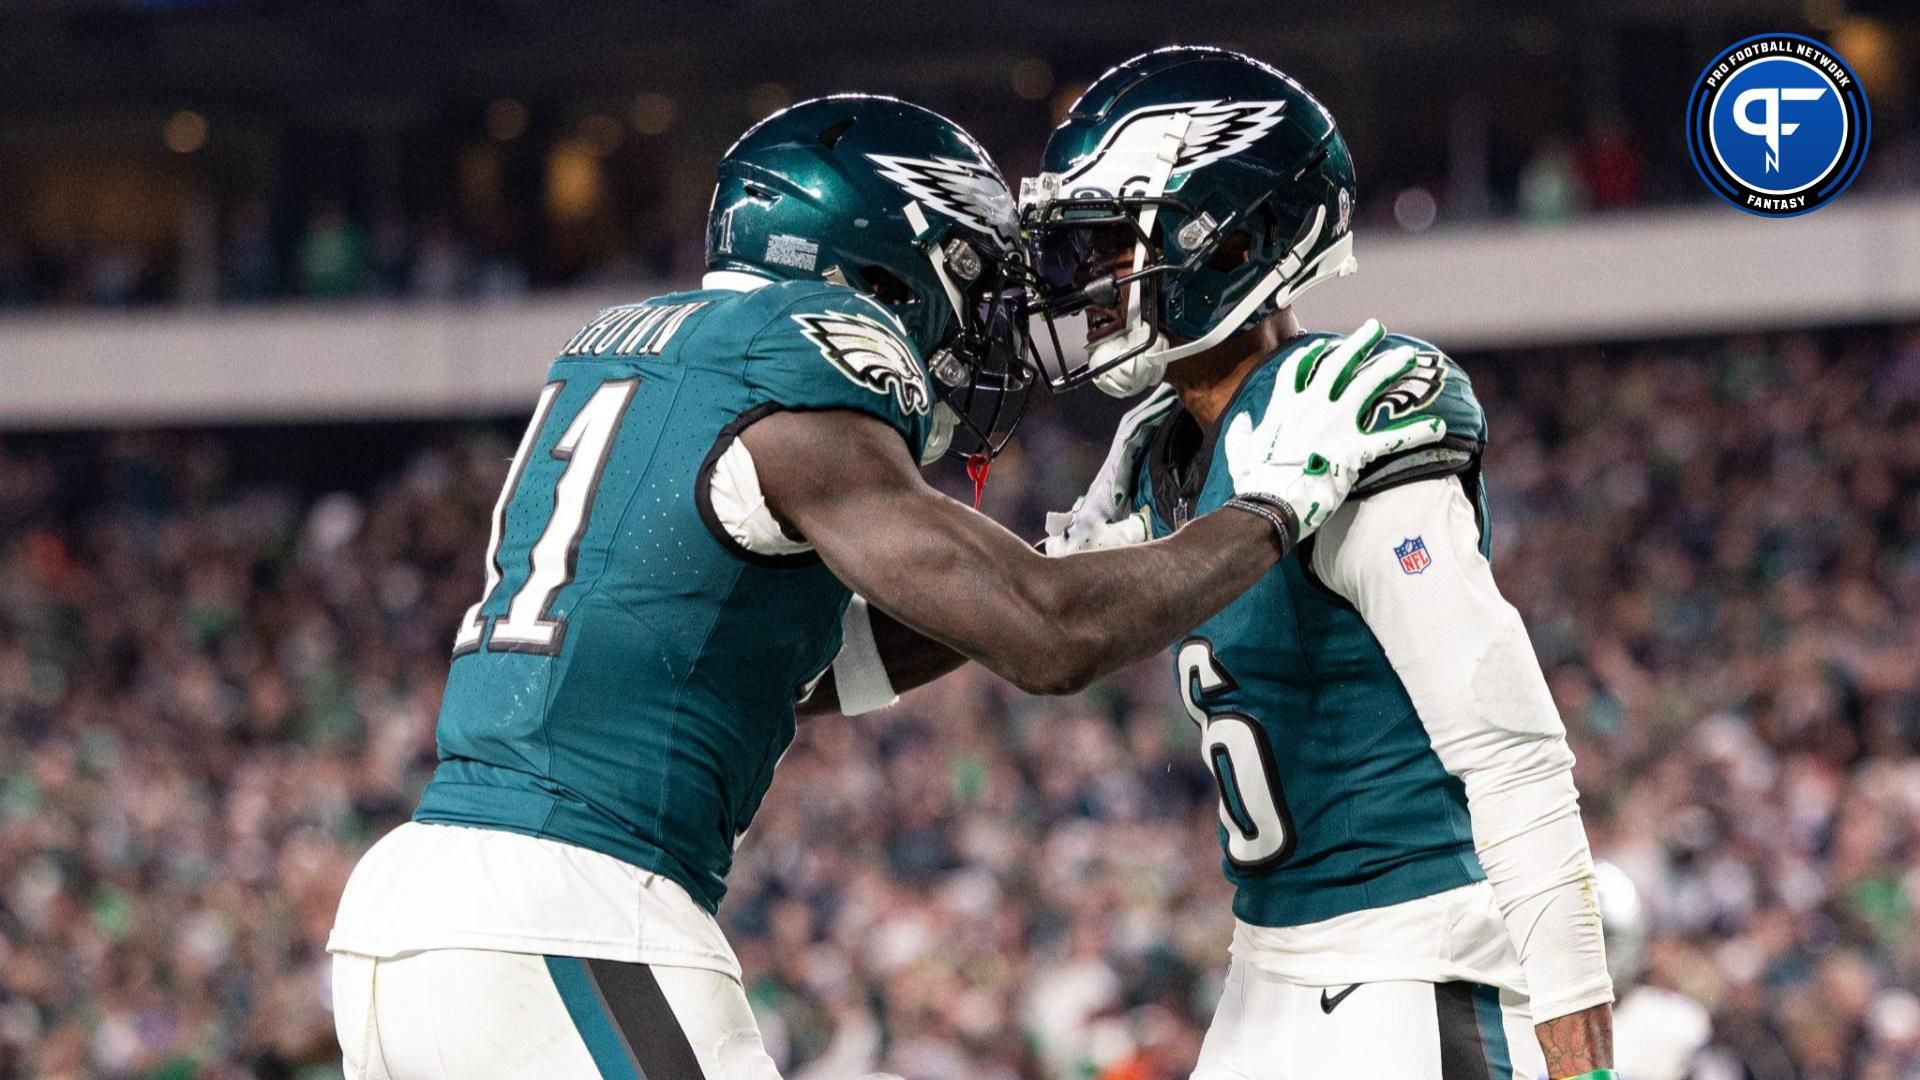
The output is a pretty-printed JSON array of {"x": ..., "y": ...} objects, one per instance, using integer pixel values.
[
  {"x": 529, "y": 625},
  {"x": 1253, "y": 808}
]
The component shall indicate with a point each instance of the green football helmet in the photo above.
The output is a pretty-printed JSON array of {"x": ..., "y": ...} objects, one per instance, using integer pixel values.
[
  {"x": 1225, "y": 181},
  {"x": 900, "y": 203}
]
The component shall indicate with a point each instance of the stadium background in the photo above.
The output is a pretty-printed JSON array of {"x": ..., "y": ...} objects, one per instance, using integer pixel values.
[{"x": 276, "y": 285}]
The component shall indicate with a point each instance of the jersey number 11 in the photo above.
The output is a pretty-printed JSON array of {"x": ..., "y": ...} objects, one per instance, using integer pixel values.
[{"x": 529, "y": 624}]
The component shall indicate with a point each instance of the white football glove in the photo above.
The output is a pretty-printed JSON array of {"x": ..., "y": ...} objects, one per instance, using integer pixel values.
[
  {"x": 1099, "y": 519},
  {"x": 1310, "y": 447}
]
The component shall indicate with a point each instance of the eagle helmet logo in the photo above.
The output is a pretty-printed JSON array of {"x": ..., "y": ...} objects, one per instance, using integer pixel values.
[
  {"x": 969, "y": 192},
  {"x": 1215, "y": 130},
  {"x": 870, "y": 354}
]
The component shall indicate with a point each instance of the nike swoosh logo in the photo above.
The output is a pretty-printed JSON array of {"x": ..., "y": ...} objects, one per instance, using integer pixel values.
[{"x": 1328, "y": 1004}]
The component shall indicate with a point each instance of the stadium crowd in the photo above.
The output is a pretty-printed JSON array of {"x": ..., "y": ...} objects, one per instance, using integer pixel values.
[{"x": 217, "y": 690}]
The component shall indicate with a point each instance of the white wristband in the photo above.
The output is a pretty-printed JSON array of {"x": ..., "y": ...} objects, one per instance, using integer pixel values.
[{"x": 859, "y": 676}]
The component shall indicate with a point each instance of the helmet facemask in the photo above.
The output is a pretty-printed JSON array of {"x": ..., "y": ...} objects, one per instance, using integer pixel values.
[
  {"x": 1182, "y": 252},
  {"x": 984, "y": 365},
  {"x": 1095, "y": 255}
]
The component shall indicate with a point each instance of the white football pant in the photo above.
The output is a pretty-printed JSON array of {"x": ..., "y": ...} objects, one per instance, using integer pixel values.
[
  {"x": 1269, "y": 1029},
  {"x": 466, "y": 1014}
]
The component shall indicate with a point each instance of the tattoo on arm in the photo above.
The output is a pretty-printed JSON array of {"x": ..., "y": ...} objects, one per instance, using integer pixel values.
[{"x": 1578, "y": 1042}]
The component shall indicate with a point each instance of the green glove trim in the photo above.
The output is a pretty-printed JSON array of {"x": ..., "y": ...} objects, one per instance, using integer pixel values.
[
  {"x": 1597, "y": 1074},
  {"x": 1354, "y": 362},
  {"x": 1310, "y": 363}
]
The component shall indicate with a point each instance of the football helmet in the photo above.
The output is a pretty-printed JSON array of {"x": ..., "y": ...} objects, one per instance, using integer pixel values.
[
  {"x": 1189, "y": 193},
  {"x": 900, "y": 203}
]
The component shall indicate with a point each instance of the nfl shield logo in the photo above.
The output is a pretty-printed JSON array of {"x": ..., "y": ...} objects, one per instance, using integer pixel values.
[{"x": 1413, "y": 556}]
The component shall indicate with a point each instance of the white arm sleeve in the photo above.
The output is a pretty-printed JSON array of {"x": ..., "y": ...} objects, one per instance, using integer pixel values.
[{"x": 1464, "y": 656}]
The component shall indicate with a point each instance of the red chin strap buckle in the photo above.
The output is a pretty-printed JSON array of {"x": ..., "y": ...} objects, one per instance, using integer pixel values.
[{"x": 978, "y": 463}]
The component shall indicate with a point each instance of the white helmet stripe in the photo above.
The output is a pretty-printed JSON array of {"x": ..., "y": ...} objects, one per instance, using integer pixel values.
[
  {"x": 1171, "y": 145},
  {"x": 917, "y": 218}
]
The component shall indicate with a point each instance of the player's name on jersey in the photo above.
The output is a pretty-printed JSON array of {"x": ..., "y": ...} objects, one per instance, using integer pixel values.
[{"x": 631, "y": 330}]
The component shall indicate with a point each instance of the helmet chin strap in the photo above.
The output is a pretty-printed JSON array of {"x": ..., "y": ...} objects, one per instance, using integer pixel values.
[{"x": 1288, "y": 279}]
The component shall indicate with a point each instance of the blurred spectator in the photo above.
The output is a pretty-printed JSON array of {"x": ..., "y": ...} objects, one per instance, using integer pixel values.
[
  {"x": 1551, "y": 188},
  {"x": 333, "y": 254},
  {"x": 392, "y": 252},
  {"x": 1610, "y": 165},
  {"x": 113, "y": 275},
  {"x": 443, "y": 268},
  {"x": 250, "y": 269},
  {"x": 218, "y": 687}
]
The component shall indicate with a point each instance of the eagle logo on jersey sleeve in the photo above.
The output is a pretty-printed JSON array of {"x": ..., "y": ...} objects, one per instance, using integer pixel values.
[
  {"x": 967, "y": 191},
  {"x": 1417, "y": 389},
  {"x": 869, "y": 353}
]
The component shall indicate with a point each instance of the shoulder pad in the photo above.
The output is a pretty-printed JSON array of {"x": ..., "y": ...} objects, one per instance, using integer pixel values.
[{"x": 1433, "y": 386}]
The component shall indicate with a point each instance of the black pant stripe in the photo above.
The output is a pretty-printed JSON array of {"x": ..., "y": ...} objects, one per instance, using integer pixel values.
[
  {"x": 1463, "y": 1052},
  {"x": 633, "y": 999}
]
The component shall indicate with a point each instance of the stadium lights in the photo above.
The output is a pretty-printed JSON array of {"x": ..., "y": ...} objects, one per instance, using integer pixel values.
[{"x": 185, "y": 132}]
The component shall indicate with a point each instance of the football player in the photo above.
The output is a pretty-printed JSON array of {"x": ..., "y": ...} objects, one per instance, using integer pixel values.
[
  {"x": 706, "y": 479},
  {"x": 1413, "y": 887},
  {"x": 1414, "y": 893}
]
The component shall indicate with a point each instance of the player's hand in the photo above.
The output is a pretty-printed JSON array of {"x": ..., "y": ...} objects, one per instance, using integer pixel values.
[
  {"x": 1310, "y": 446},
  {"x": 1099, "y": 519}
]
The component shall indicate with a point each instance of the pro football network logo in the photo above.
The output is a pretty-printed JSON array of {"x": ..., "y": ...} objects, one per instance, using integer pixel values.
[
  {"x": 1413, "y": 556},
  {"x": 1778, "y": 125}
]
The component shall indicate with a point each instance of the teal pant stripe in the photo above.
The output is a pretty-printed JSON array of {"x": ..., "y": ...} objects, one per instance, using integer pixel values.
[
  {"x": 1493, "y": 1032},
  {"x": 604, "y": 1041}
]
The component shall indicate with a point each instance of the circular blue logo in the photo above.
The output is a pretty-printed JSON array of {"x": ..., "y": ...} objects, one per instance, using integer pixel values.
[{"x": 1778, "y": 125}]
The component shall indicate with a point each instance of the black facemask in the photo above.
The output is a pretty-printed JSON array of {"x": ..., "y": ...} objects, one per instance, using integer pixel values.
[{"x": 986, "y": 372}]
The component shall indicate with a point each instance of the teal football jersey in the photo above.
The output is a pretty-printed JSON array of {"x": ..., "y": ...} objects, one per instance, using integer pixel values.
[
  {"x": 627, "y": 681},
  {"x": 1331, "y": 797}
]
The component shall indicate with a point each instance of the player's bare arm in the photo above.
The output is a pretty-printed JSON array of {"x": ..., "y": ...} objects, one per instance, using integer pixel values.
[
  {"x": 1579, "y": 1043},
  {"x": 845, "y": 482}
]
